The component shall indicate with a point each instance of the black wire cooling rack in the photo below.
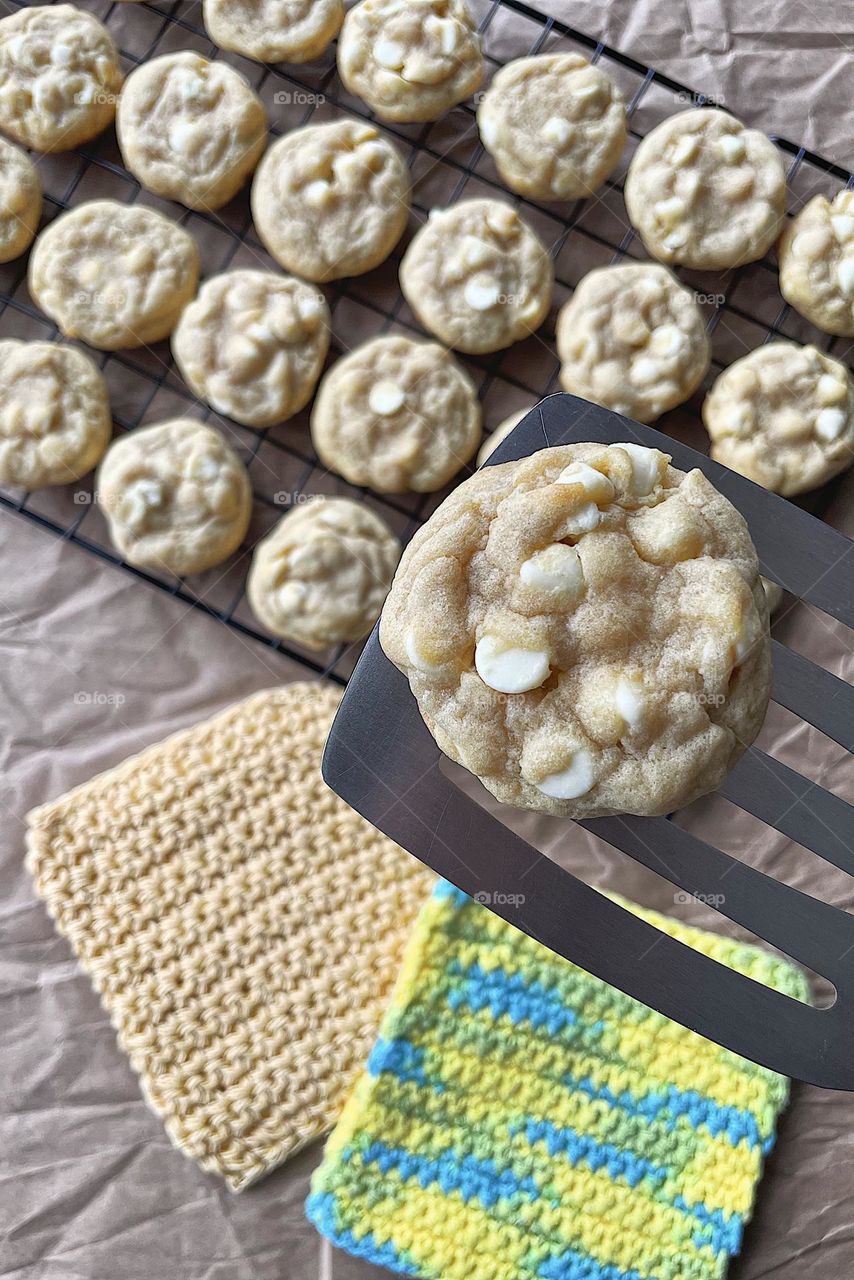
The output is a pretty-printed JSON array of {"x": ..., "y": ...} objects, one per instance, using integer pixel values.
[{"x": 446, "y": 160}]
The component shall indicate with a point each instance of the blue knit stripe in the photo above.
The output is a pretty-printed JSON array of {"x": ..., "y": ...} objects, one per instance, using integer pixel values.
[
  {"x": 671, "y": 1103},
  {"x": 580, "y": 1148},
  {"x": 475, "y": 1179},
  {"x": 511, "y": 995},
  {"x": 320, "y": 1209},
  {"x": 580, "y": 1266},
  {"x": 722, "y": 1232},
  {"x": 403, "y": 1059}
]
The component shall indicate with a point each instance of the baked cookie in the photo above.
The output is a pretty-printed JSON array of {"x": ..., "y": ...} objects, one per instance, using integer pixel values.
[
  {"x": 20, "y": 201},
  {"x": 501, "y": 432},
  {"x": 554, "y": 125},
  {"x": 176, "y": 497},
  {"x": 274, "y": 30},
  {"x": 54, "y": 414},
  {"x": 59, "y": 77},
  {"x": 585, "y": 631},
  {"x": 190, "y": 129},
  {"x": 252, "y": 344},
  {"x": 783, "y": 416},
  {"x": 114, "y": 275},
  {"x": 410, "y": 59},
  {"x": 321, "y": 576},
  {"x": 632, "y": 338},
  {"x": 705, "y": 191},
  {"x": 331, "y": 200},
  {"x": 477, "y": 276},
  {"x": 395, "y": 415},
  {"x": 816, "y": 257}
]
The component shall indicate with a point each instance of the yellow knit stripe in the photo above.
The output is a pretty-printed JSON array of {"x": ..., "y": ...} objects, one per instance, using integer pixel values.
[{"x": 438, "y": 1228}]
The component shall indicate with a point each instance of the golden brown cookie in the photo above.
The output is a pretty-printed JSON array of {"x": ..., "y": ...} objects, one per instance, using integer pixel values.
[
  {"x": 554, "y": 125},
  {"x": 176, "y": 496},
  {"x": 585, "y": 631},
  {"x": 706, "y": 192},
  {"x": 477, "y": 276},
  {"x": 783, "y": 416},
  {"x": 320, "y": 577}
]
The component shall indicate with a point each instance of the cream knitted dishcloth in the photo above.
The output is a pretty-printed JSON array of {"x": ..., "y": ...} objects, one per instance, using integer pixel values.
[{"x": 241, "y": 924}]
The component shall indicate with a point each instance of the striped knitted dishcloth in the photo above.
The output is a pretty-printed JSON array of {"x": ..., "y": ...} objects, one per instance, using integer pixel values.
[{"x": 519, "y": 1119}]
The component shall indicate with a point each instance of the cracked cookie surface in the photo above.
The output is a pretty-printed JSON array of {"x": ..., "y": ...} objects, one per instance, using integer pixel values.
[
  {"x": 114, "y": 275},
  {"x": 331, "y": 200},
  {"x": 783, "y": 416},
  {"x": 632, "y": 338},
  {"x": 59, "y": 77},
  {"x": 396, "y": 415},
  {"x": 273, "y": 30},
  {"x": 410, "y": 60},
  {"x": 20, "y": 201},
  {"x": 54, "y": 414},
  {"x": 816, "y": 258},
  {"x": 554, "y": 125},
  {"x": 252, "y": 344},
  {"x": 176, "y": 496},
  {"x": 189, "y": 129},
  {"x": 585, "y": 631},
  {"x": 321, "y": 575},
  {"x": 706, "y": 192},
  {"x": 477, "y": 276}
]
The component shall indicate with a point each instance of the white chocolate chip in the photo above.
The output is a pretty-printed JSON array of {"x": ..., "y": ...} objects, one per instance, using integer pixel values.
[
  {"x": 629, "y": 700},
  {"x": 830, "y": 423},
  {"x": 583, "y": 520},
  {"x": 488, "y": 131},
  {"x": 685, "y": 150},
  {"x": 596, "y": 485},
  {"x": 736, "y": 419},
  {"x": 555, "y": 570},
  {"x": 291, "y": 596},
  {"x": 416, "y": 657},
  {"x": 203, "y": 467},
  {"x": 644, "y": 371},
  {"x": 576, "y": 780},
  {"x": 731, "y": 147},
  {"x": 386, "y": 398},
  {"x": 671, "y": 211},
  {"x": 843, "y": 226},
  {"x": 476, "y": 252},
  {"x": 666, "y": 340},
  {"x": 192, "y": 87},
  {"x": 646, "y": 467},
  {"x": 508, "y": 668},
  {"x": 831, "y": 390},
  {"x": 445, "y": 30},
  {"x": 183, "y": 136},
  {"x": 676, "y": 240},
  {"x": 390, "y": 54},
  {"x": 845, "y": 276},
  {"x": 481, "y": 292},
  {"x": 557, "y": 131},
  {"x": 318, "y": 193},
  {"x": 503, "y": 220}
]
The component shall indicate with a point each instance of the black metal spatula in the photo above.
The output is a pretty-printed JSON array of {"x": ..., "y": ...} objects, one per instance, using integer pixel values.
[{"x": 382, "y": 760}]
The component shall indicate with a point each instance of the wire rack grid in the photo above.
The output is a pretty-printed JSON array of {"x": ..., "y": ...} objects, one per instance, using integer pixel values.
[{"x": 447, "y": 162}]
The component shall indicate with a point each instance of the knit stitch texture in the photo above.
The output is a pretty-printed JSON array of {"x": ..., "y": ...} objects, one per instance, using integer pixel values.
[
  {"x": 241, "y": 924},
  {"x": 521, "y": 1120}
]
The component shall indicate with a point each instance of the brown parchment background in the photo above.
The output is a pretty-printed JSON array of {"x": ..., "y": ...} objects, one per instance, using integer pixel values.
[{"x": 90, "y": 1188}]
